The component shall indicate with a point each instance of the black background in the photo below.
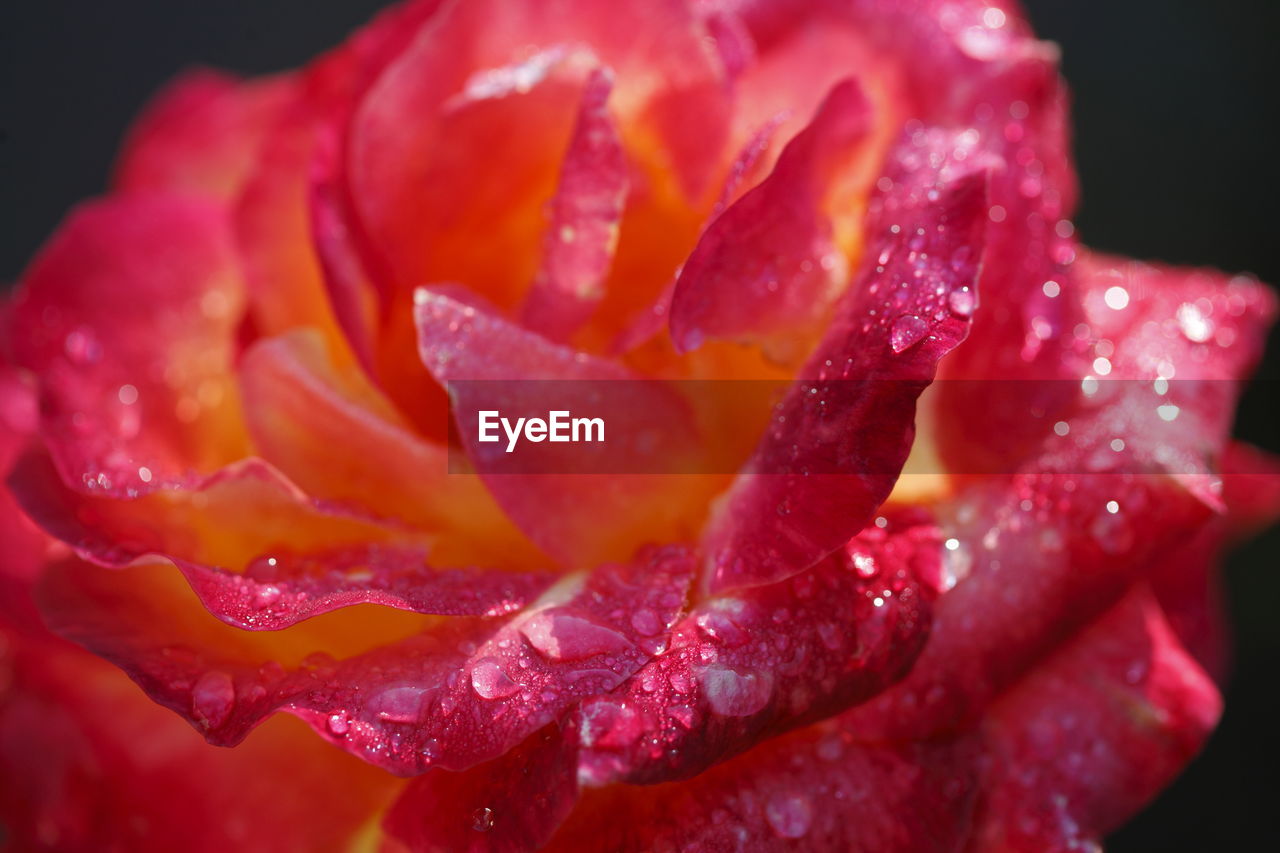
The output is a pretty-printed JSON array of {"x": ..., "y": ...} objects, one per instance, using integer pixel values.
[{"x": 1176, "y": 141}]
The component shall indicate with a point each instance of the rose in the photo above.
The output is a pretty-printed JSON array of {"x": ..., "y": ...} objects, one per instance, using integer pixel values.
[{"x": 238, "y": 357}]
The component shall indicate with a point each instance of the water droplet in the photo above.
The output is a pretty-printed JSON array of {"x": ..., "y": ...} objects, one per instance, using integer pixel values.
[
  {"x": 1194, "y": 324},
  {"x": 559, "y": 635},
  {"x": 338, "y": 723},
  {"x": 1116, "y": 297},
  {"x": 865, "y": 566},
  {"x": 831, "y": 748},
  {"x": 907, "y": 330},
  {"x": 401, "y": 704},
  {"x": 682, "y": 714},
  {"x": 790, "y": 815},
  {"x": 719, "y": 625},
  {"x": 491, "y": 681},
  {"x": 1112, "y": 533},
  {"x": 734, "y": 693},
  {"x": 212, "y": 698},
  {"x": 82, "y": 347},
  {"x": 266, "y": 596},
  {"x": 961, "y": 302},
  {"x": 646, "y": 622},
  {"x": 610, "y": 724},
  {"x": 482, "y": 820}
]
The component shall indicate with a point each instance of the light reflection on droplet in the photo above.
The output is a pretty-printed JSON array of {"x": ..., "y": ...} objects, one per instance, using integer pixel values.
[{"x": 1116, "y": 297}]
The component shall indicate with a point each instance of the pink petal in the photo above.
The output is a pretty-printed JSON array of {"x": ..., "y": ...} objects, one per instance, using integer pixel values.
[
  {"x": 1201, "y": 331},
  {"x": 23, "y": 551},
  {"x": 839, "y": 441},
  {"x": 1250, "y": 487},
  {"x": 654, "y": 318},
  {"x": 513, "y": 803},
  {"x": 768, "y": 265},
  {"x": 300, "y": 405},
  {"x": 127, "y": 319},
  {"x": 96, "y": 765},
  {"x": 668, "y": 83},
  {"x": 575, "y": 518},
  {"x": 299, "y": 247},
  {"x": 1093, "y": 734},
  {"x": 201, "y": 135},
  {"x": 811, "y": 790},
  {"x": 352, "y": 293},
  {"x": 461, "y": 692},
  {"x": 1031, "y": 560},
  {"x": 586, "y": 213},
  {"x": 262, "y": 556},
  {"x": 745, "y": 668},
  {"x": 1188, "y": 587}
]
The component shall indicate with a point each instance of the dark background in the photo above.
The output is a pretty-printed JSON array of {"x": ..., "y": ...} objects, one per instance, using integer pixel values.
[{"x": 1176, "y": 141}]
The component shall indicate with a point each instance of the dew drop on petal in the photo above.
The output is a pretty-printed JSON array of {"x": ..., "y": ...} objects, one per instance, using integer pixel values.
[
  {"x": 1112, "y": 532},
  {"x": 906, "y": 331},
  {"x": 400, "y": 704},
  {"x": 961, "y": 302},
  {"x": 338, "y": 723},
  {"x": 865, "y": 566},
  {"x": 491, "y": 681},
  {"x": 1116, "y": 297},
  {"x": 733, "y": 693},
  {"x": 212, "y": 698},
  {"x": 646, "y": 622},
  {"x": 561, "y": 636},
  {"x": 266, "y": 596},
  {"x": 1194, "y": 324},
  {"x": 482, "y": 819},
  {"x": 790, "y": 815}
]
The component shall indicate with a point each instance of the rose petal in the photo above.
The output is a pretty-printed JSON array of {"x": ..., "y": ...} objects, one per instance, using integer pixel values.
[
  {"x": 24, "y": 547},
  {"x": 296, "y": 559},
  {"x": 513, "y": 803},
  {"x": 461, "y": 692},
  {"x": 909, "y": 306},
  {"x": 1250, "y": 488},
  {"x": 647, "y": 324},
  {"x": 1093, "y": 734},
  {"x": 99, "y": 766},
  {"x": 1188, "y": 587},
  {"x": 742, "y": 669},
  {"x": 1030, "y": 561},
  {"x": 575, "y": 518},
  {"x": 300, "y": 404},
  {"x": 201, "y": 135},
  {"x": 352, "y": 292},
  {"x": 811, "y": 790},
  {"x": 299, "y": 246},
  {"x": 585, "y": 216},
  {"x": 1201, "y": 329},
  {"x": 767, "y": 265},
  {"x": 127, "y": 319},
  {"x": 667, "y": 81}
]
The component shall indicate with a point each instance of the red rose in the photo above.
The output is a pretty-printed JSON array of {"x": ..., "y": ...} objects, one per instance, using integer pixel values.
[{"x": 982, "y": 628}]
